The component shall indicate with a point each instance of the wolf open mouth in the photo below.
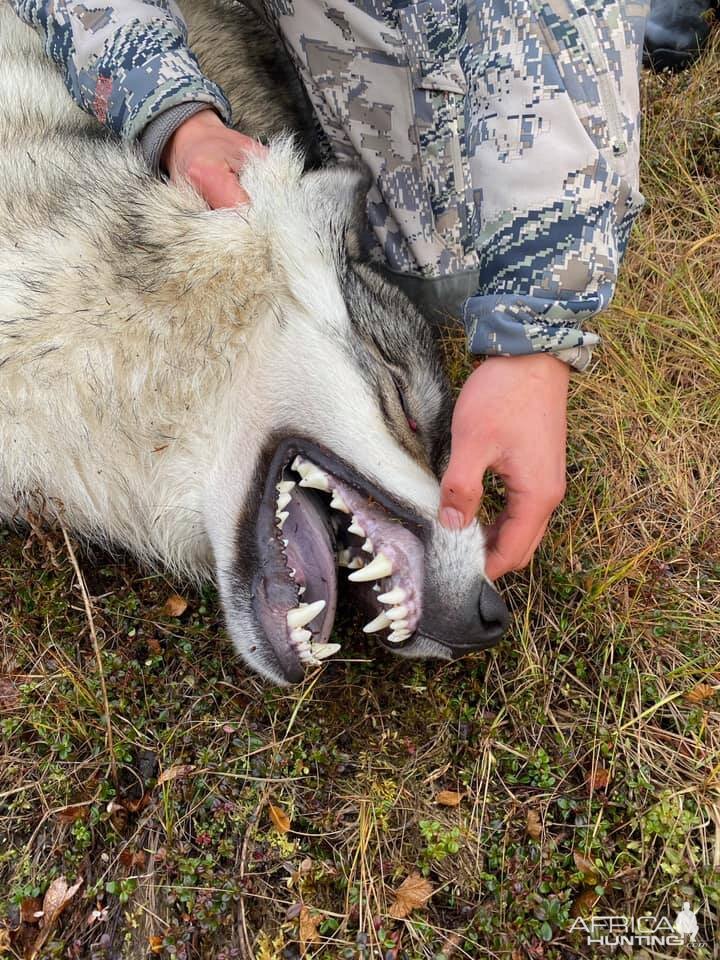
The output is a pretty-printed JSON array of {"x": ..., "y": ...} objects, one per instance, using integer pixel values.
[{"x": 317, "y": 515}]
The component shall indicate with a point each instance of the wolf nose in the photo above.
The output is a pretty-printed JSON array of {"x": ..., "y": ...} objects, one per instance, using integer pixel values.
[{"x": 494, "y": 615}]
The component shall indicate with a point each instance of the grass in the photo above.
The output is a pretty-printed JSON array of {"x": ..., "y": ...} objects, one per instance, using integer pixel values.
[{"x": 584, "y": 751}]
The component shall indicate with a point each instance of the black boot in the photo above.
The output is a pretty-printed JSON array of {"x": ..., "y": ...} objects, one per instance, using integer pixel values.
[{"x": 675, "y": 32}]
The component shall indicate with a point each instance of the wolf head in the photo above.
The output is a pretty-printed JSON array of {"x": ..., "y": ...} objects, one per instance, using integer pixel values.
[{"x": 346, "y": 420}]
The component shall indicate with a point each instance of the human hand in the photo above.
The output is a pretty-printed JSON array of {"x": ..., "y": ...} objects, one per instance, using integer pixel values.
[
  {"x": 210, "y": 155},
  {"x": 510, "y": 418}
]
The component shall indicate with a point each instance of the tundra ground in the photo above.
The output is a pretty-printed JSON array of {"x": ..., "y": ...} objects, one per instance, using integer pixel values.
[{"x": 574, "y": 769}]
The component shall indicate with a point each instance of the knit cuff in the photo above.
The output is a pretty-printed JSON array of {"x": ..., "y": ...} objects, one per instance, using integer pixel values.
[{"x": 156, "y": 134}]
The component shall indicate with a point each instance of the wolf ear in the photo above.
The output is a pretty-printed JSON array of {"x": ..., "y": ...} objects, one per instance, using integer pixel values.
[{"x": 340, "y": 207}]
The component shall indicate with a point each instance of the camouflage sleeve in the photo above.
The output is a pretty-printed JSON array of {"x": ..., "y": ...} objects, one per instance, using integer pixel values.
[{"x": 125, "y": 62}]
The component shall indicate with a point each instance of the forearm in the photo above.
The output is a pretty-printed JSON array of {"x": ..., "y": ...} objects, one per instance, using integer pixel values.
[{"x": 126, "y": 62}]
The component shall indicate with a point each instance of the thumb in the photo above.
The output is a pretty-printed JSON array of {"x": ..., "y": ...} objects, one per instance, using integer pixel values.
[
  {"x": 461, "y": 488},
  {"x": 223, "y": 191}
]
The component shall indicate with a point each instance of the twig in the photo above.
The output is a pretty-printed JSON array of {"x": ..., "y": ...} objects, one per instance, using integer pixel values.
[
  {"x": 96, "y": 648},
  {"x": 245, "y": 945}
]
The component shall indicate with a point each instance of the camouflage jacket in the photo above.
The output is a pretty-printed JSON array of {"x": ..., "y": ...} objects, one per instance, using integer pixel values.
[
  {"x": 126, "y": 62},
  {"x": 531, "y": 207}
]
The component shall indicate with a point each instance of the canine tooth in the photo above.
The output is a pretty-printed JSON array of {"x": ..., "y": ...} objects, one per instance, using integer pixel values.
[
  {"x": 316, "y": 480},
  {"x": 306, "y": 657},
  {"x": 344, "y": 558},
  {"x": 356, "y": 529},
  {"x": 304, "y": 614},
  {"x": 283, "y": 500},
  {"x": 397, "y": 613},
  {"x": 379, "y": 623},
  {"x": 285, "y": 486},
  {"x": 396, "y": 595},
  {"x": 380, "y": 566},
  {"x": 337, "y": 503},
  {"x": 282, "y": 517},
  {"x": 356, "y": 564},
  {"x": 300, "y": 636},
  {"x": 368, "y": 546},
  {"x": 324, "y": 650}
]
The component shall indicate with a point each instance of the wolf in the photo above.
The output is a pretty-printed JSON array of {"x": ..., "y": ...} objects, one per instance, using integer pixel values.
[{"x": 230, "y": 394}]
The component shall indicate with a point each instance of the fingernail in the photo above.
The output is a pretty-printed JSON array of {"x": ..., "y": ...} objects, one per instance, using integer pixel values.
[{"x": 452, "y": 518}]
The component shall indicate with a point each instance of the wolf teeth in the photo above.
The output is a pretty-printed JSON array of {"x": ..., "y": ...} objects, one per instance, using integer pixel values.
[
  {"x": 356, "y": 529},
  {"x": 315, "y": 479},
  {"x": 378, "y": 568},
  {"x": 399, "y": 625},
  {"x": 324, "y": 650},
  {"x": 282, "y": 516},
  {"x": 356, "y": 564},
  {"x": 305, "y": 656},
  {"x": 381, "y": 622},
  {"x": 368, "y": 546},
  {"x": 282, "y": 501},
  {"x": 397, "y": 613},
  {"x": 285, "y": 486},
  {"x": 337, "y": 503},
  {"x": 396, "y": 595},
  {"x": 300, "y": 637},
  {"x": 304, "y": 614},
  {"x": 344, "y": 558}
]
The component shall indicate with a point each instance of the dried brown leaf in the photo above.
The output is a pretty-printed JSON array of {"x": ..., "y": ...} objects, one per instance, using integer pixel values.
[
  {"x": 72, "y": 813},
  {"x": 174, "y": 606},
  {"x": 598, "y": 779},
  {"x": 9, "y": 695},
  {"x": 309, "y": 923},
  {"x": 281, "y": 821},
  {"x": 155, "y": 944},
  {"x": 448, "y": 798},
  {"x": 133, "y": 858},
  {"x": 584, "y": 904},
  {"x": 533, "y": 825},
  {"x": 586, "y": 867},
  {"x": 29, "y": 909},
  {"x": 412, "y": 893},
  {"x": 700, "y": 692},
  {"x": 176, "y": 772},
  {"x": 57, "y": 896}
]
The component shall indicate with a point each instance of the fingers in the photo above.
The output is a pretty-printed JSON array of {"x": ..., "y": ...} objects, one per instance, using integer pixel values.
[
  {"x": 461, "y": 489},
  {"x": 516, "y": 533},
  {"x": 222, "y": 191}
]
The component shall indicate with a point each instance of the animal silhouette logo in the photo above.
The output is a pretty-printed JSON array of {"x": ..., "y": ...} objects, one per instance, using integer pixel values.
[{"x": 686, "y": 923}]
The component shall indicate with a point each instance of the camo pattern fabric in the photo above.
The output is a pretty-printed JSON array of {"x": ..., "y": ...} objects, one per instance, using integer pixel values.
[
  {"x": 502, "y": 135},
  {"x": 503, "y": 138},
  {"x": 125, "y": 62}
]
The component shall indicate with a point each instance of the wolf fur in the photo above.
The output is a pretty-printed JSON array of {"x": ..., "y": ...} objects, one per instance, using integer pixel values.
[{"x": 150, "y": 349}]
